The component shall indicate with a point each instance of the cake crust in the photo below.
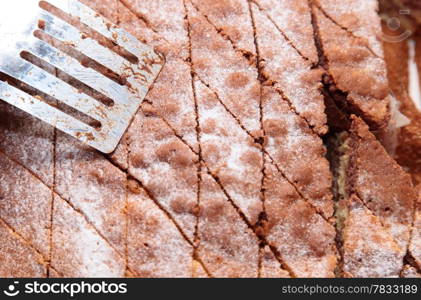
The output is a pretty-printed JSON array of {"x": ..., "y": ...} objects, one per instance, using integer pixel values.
[
  {"x": 372, "y": 187},
  {"x": 223, "y": 171},
  {"x": 352, "y": 68}
]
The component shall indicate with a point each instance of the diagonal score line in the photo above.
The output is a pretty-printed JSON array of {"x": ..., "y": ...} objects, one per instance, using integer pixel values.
[
  {"x": 77, "y": 210},
  {"x": 280, "y": 91},
  {"x": 52, "y": 191},
  {"x": 52, "y": 199},
  {"x": 162, "y": 209},
  {"x": 141, "y": 17},
  {"x": 241, "y": 125},
  {"x": 224, "y": 35},
  {"x": 238, "y": 210},
  {"x": 230, "y": 200},
  {"x": 274, "y": 82},
  {"x": 126, "y": 229},
  {"x": 269, "y": 155},
  {"x": 347, "y": 30},
  {"x": 411, "y": 237},
  {"x": 279, "y": 30},
  {"x": 166, "y": 121},
  {"x": 366, "y": 205},
  {"x": 147, "y": 23},
  {"x": 196, "y": 241},
  {"x": 247, "y": 222},
  {"x": 45, "y": 260},
  {"x": 26, "y": 242},
  {"x": 219, "y": 32},
  {"x": 262, "y": 183}
]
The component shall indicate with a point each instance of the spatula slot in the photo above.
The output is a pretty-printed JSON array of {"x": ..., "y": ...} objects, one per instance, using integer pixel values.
[
  {"x": 84, "y": 60},
  {"x": 68, "y": 66},
  {"x": 80, "y": 86},
  {"x": 28, "y": 89},
  {"x": 89, "y": 32},
  {"x": 51, "y": 101}
]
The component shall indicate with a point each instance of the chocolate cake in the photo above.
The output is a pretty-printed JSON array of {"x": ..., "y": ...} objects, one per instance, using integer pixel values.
[
  {"x": 375, "y": 208},
  {"x": 224, "y": 171},
  {"x": 401, "y": 78},
  {"x": 351, "y": 52}
]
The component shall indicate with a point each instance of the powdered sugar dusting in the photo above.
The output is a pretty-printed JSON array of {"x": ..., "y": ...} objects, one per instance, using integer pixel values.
[
  {"x": 78, "y": 251},
  {"x": 25, "y": 204},
  {"x": 360, "y": 17},
  {"x": 225, "y": 70},
  {"x": 299, "y": 33},
  {"x": 294, "y": 149},
  {"x": 17, "y": 143},
  {"x": 89, "y": 235},
  {"x": 356, "y": 71},
  {"x": 18, "y": 259},
  {"x": 270, "y": 266},
  {"x": 155, "y": 247},
  {"x": 172, "y": 96},
  {"x": 305, "y": 241},
  {"x": 129, "y": 20},
  {"x": 93, "y": 185},
  {"x": 227, "y": 246},
  {"x": 233, "y": 19},
  {"x": 165, "y": 17},
  {"x": 165, "y": 165},
  {"x": 390, "y": 194},
  {"x": 288, "y": 71},
  {"x": 230, "y": 153},
  {"x": 369, "y": 249}
]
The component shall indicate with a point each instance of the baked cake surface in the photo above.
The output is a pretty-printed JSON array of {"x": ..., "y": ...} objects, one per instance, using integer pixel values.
[
  {"x": 409, "y": 143},
  {"x": 352, "y": 55},
  {"x": 376, "y": 207},
  {"x": 223, "y": 172},
  {"x": 408, "y": 152}
]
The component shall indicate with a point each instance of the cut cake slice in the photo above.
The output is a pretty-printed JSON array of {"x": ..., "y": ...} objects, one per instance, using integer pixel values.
[
  {"x": 370, "y": 185},
  {"x": 356, "y": 76}
]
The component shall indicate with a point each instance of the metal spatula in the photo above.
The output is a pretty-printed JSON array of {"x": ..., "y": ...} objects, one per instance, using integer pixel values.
[{"x": 19, "y": 23}]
